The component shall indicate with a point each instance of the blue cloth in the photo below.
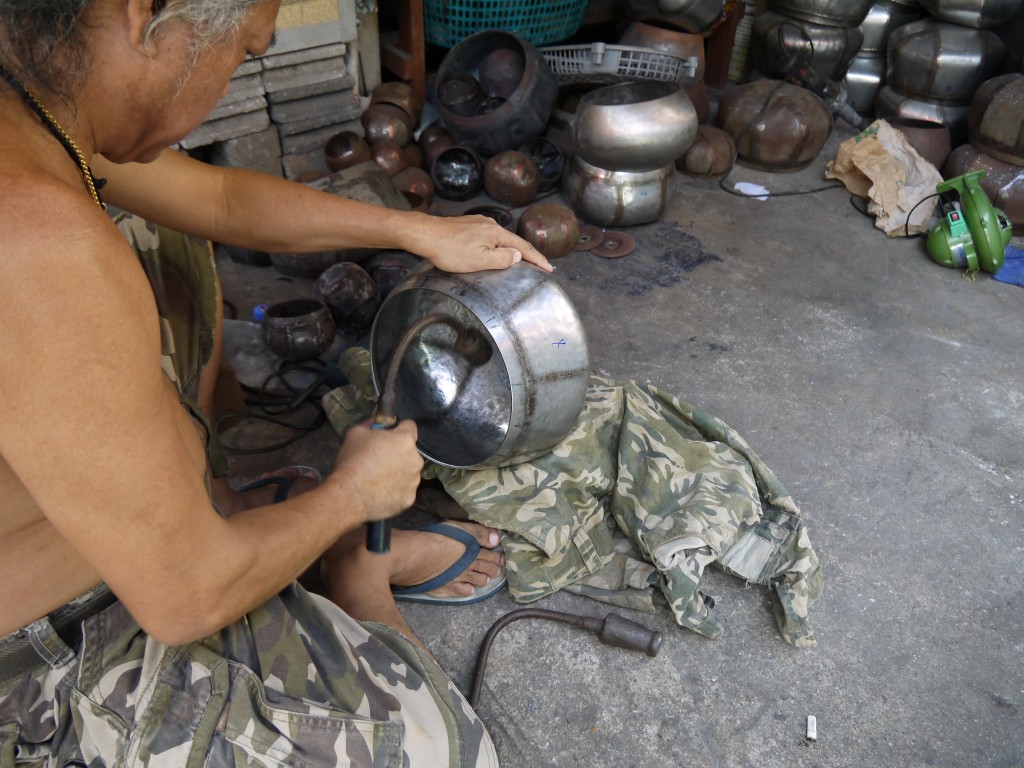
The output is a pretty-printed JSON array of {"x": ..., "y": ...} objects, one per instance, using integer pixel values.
[{"x": 1012, "y": 270}]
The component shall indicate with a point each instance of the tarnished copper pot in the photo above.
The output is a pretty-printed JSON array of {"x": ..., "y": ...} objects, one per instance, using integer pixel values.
[
  {"x": 346, "y": 149},
  {"x": 350, "y": 293},
  {"x": 512, "y": 178},
  {"x": 551, "y": 228},
  {"x": 461, "y": 94},
  {"x": 996, "y": 121},
  {"x": 776, "y": 126},
  {"x": 386, "y": 121},
  {"x": 712, "y": 153}
]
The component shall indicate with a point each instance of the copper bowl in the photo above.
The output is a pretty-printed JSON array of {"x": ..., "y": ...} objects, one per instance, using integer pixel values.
[
  {"x": 994, "y": 124},
  {"x": 416, "y": 180},
  {"x": 387, "y": 122},
  {"x": 298, "y": 329},
  {"x": 350, "y": 293},
  {"x": 511, "y": 177},
  {"x": 345, "y": 149},
  {"x": 399, "y": 94},
  {"x": 501, "y": 71},
  {"x": 712, "y": 153},
  {"x": 434, "y": 139},
  {"x": 389, "y": 156},
  {"x": 666, "y": 39},
  {"x": 551, "y": 228},
  {"x": 550, "y": 162}
]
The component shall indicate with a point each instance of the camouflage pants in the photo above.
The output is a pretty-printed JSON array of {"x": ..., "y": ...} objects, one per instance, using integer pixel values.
[{"x": 294, "y": 683}]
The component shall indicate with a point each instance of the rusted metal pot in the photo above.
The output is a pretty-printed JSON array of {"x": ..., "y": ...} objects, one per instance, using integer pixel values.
[
  {"x": 1003, "y": 182},
  {"x": 520, "y": 117},
  {"x": 634, "y": 126},
  {"x": 712, "y": 153},
  {"x": 458, "y": 173},
  {"x": 778, "y": 41},
  {"x": 776, "y": 126},
  {"x": 298, "y": 329},
  {"x": 996, "y": 121},
  {"x": 941, "y": 62},
  {"x": 511, "y": 177},
  {"x": 616, "y": 198},
  {"x": 834, "y": 13},
  {"x": 551, "y": 228},
  {"x": 980, "y": 14},
  {"x": 344, "y": 150}
]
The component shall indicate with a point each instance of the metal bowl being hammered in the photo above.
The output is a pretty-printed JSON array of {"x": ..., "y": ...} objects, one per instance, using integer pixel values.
[{"x": 514, "y": 407}]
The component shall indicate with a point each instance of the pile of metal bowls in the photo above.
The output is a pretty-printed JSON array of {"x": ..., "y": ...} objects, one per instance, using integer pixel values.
[
  {"x": 996, "y": 145},
  {"x": 626, "y": 139}
]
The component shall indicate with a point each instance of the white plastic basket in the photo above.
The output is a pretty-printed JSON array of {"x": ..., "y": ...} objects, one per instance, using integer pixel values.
[{"x": 600, "y": 62}]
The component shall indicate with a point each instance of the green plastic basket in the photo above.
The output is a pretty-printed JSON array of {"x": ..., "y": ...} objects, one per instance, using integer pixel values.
[{"x": 449, "y": 22}]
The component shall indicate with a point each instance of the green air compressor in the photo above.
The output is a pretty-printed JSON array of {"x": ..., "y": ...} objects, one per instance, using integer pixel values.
[{"x": 973, "y": 233}]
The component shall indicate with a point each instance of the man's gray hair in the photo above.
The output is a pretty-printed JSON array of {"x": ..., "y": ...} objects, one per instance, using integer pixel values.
[{"x": 42, "y": 41}]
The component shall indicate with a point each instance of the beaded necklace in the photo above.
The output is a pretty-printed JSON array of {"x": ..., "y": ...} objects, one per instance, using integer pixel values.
[{"x": 92, "y": 184}]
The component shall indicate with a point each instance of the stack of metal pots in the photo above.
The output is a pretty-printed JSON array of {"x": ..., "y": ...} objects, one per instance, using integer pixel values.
[
  {"x": 866, "y": 73},
  {"x": 822, "y": 34},
  {"x": 935, "y": 65},
  {"x": 697, "y": 16},
  {"x": 626, "y": 139},
  {"x": 996, "y": 145}
]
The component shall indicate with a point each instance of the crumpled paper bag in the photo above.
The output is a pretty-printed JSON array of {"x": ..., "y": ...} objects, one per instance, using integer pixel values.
[{"x": 881, "y": 165}]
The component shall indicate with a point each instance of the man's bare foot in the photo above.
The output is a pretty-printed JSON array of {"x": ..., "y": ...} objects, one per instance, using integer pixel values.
[{"x": 424, "y": 555}]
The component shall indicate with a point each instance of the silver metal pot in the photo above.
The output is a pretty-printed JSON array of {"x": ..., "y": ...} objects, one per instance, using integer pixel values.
[
  {"x": 863, "y": 79},
  {"x": 941, "y": 62},
  {"x": 697, "y": 16},
  {"x": 777, "y": 41},
  {"x": 891, "y": 104},
  {"x": 616, "y": 198},
  {"x": 883, "y": 17},
  {"x": 980, "y": 14},
  {"x": 514, "y": 407},
  {"x": 834, "y": 13},
  {"x": 637, "y": 126}
]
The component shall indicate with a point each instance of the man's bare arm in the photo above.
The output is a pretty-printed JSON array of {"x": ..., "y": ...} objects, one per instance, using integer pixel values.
[{"x": 256, "y": 210}]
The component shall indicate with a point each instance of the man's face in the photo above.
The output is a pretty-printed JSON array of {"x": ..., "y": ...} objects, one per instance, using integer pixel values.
[{"x": 193, "y": 85}]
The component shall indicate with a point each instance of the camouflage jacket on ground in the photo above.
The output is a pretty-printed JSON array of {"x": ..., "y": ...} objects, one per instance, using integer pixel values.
[{"x": 644, "y": 493}]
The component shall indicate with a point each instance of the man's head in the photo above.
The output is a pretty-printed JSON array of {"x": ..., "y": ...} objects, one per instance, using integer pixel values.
[{"x": 46, "y": 42}]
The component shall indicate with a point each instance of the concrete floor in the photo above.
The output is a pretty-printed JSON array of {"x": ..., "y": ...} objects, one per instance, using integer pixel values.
[{"x": 886, "y": 393}]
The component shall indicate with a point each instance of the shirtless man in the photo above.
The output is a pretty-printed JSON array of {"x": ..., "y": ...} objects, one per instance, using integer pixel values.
[{"x": 103, "y": 473}]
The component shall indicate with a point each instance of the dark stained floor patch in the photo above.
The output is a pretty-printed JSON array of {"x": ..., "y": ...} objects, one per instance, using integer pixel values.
[{"x": 664, "y": 255}]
